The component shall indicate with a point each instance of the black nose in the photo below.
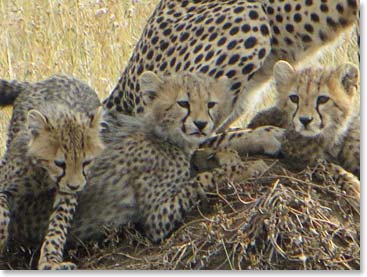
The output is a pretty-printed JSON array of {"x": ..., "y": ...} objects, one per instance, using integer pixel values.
[
  {"x": 200, "y": 124},
  {"x": 72, "y": 187},
  {"x": 305, "y": 120}
]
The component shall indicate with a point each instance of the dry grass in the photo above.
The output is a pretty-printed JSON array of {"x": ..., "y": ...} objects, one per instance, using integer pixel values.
[
  {"x": 281, "y": 220},
  {"x": 90, "y": 39}
]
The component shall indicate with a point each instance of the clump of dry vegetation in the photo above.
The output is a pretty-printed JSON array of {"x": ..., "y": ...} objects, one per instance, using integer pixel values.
[{"x": 280, "y": 220}]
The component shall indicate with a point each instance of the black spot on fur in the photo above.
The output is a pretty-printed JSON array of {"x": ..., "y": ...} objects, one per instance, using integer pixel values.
[
  {"x": 220, "y": 59},
  {"x": 279, "y": 18},
  {"x": 289, "y": 28},
  {"x": 234, "y": 59},
  {"x": 331, "y": 22},
  {"x": 239, "y": 9},
  {"x": 245, "y": 28},
  {"x": 220, "y": 19},
  {"x": 184, "y": 36},
  {"x": 166, "y": 32},
  {"x": 248, "y": 68},
  {"x": 276, "y": 30},
  {"x": 315, "y": 17},
  {"x": 297, "y": 17},
  {"x": 309, "y": 28},
  {"x": 232, "y": 44},
  {"x": 234, "y": 31},
  {"x": 264, "y": 30},
  {"x": 253, "y": 15},
  {"x": 250, "y": 42},
  {"x": 227, "y": 26},
  {"x": 308, "y": 2},
  {"x": 324, "y": 8},
  {"x": 209, "y": 55},
  {"x": 204, "y": 69},
  {"x": 213, "y": 36},
  {"x": 231, "y": 73},
  {"x": 287, "y": 7},
  {"x": 236, "y": 86},
  {"x": 199, "y": 58},
  {"x": 306, "y": 38},
  {"x": 221, "y": 41},
  {"x": 288, "y": 41}
]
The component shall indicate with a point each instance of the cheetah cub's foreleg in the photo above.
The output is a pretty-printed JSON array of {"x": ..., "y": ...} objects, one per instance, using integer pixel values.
[{"x": 53, "y": 245}]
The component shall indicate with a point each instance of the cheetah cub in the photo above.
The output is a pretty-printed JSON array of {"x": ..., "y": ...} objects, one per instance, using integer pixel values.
[
  {"x": 53, "y": 138},
  {"x": 319, "y": 107}
]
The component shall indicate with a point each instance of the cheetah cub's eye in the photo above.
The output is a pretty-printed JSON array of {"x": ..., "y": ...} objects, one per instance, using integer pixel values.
[
  {"x": 294, "y": 98},
  {"x": 60, "y": 163},
  {"x": 87, "y": 162},
  {"x": 322, "y": 99},
  {"x": 183, "y": 104},
  {"x": 211, "y": 104}
]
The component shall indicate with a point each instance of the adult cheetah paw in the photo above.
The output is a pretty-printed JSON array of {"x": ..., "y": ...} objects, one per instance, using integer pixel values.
[
  {"x": 253, "y": 169},
  {"x": 227, "y": 157},
  {"x": 57, "y": 266},
  {"x": 270, "y": 139},
  {"x": 256, "y": 168}
]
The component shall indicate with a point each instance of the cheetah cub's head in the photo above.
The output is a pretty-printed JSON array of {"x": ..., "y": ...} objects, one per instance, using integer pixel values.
[
  {"x": 319, "y": 101},
  {"x": 65, "y": 144},
  {"x": 186, "y": 105}
]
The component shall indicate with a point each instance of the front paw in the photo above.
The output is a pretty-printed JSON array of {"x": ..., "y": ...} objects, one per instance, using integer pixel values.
[
  {"x": 270, "y": 138},
  {"x": 57, "y": 266},
  {"x": 251, "y": 169},
  {"x": 227, "y": 157}
]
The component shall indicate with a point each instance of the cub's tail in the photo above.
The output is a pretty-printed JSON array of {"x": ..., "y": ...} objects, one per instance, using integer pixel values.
[{"x": 9, "y": 91}]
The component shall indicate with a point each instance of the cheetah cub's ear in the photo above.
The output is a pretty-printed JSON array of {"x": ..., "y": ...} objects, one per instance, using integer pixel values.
[
  {"x": 93, "y": 138},
  {"x": 37, "y": 122},
  {"x": 150, "y": 84},
  {"x": 284, "y": 73},
  {"x": 348, "y": 74},
  {"x": 96, "y": 119}
]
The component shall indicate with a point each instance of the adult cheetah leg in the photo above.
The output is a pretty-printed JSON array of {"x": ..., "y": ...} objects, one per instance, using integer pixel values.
[
  {"x": 4, "y": 221},
  {"x": 168, "y": 211},
  {"x": 262, "y": 140},
  {"x": 53, "y": 245}
]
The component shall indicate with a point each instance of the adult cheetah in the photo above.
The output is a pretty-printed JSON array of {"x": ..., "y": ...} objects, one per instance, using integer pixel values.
[{"x": 240, "y": 39}]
